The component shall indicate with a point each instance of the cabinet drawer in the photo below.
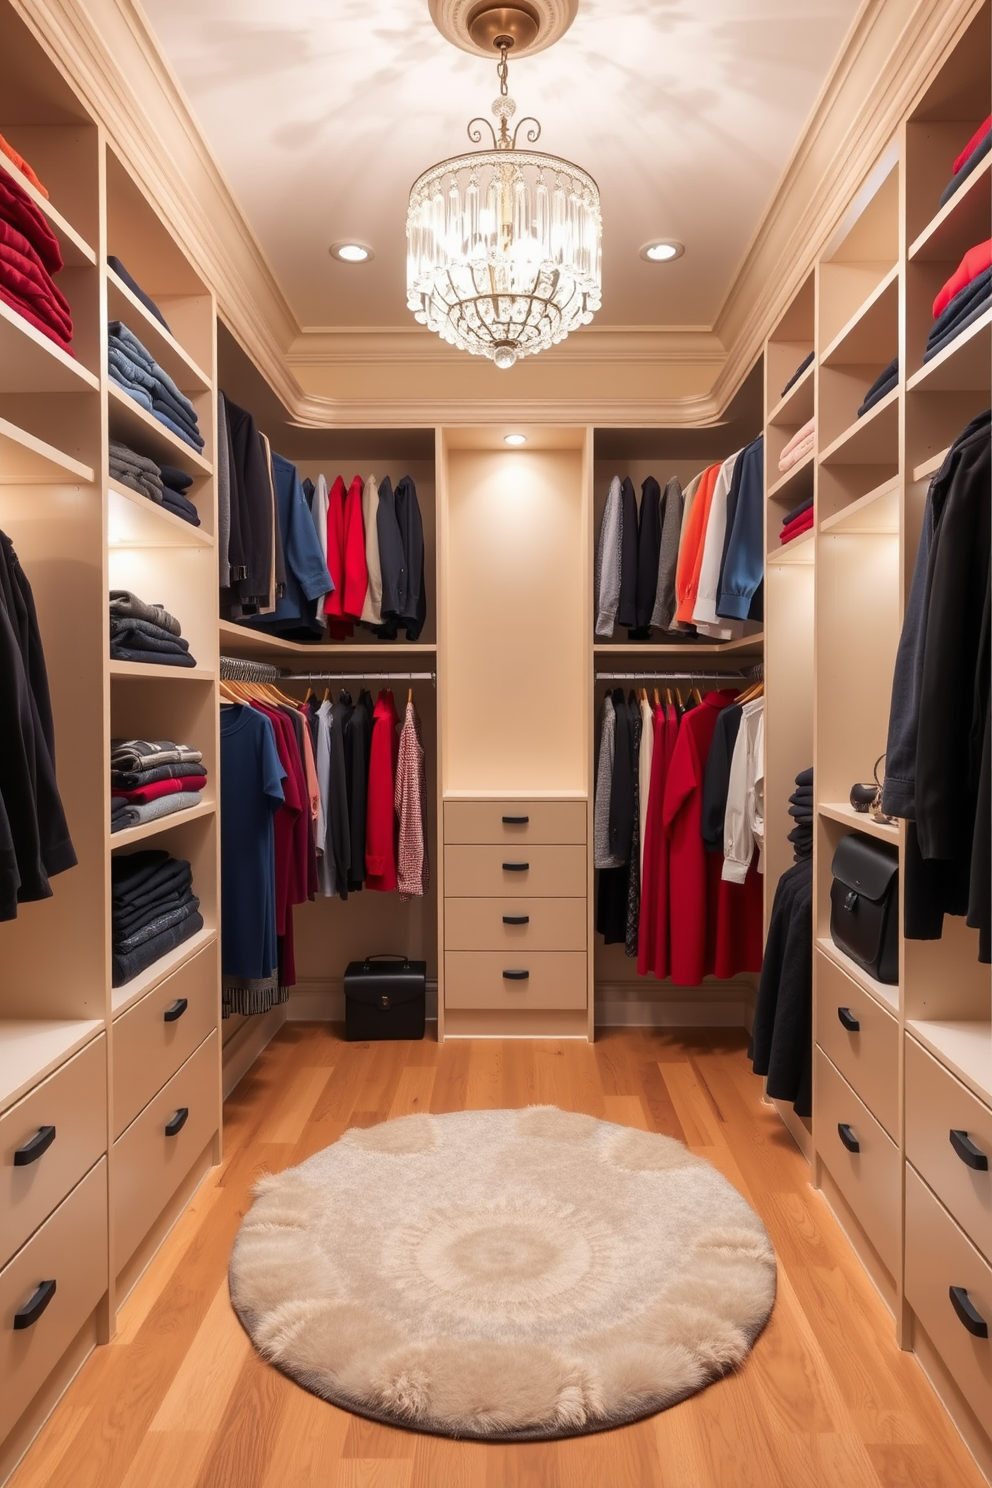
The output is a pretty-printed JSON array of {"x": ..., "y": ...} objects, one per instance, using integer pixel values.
[
  {"x": 548, "y": 925},
  {"x": 515, "y": 821},
  {"x": 73, "y": 1100},
  {"x": 868, "y": 1056},
  {"x": 150, "y": 1164},
  {"x": 474, "y": 979},
  {"x": 868, "y": 1178},
  {"x": 939, "y": 1256},
  {"x": 71, "y": 1250},
  {"x": 937, "y": 1104},
  {"x": 147, "y": 1049},
  {"x": 483, "y": 872}
]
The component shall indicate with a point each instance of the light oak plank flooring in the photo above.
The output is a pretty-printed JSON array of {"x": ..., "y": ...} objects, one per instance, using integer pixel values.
[{"x": 826, "y": 1400}]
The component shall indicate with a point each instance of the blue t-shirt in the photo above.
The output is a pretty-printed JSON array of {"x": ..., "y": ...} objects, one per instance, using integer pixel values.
[{"x": 251, "y": 793}]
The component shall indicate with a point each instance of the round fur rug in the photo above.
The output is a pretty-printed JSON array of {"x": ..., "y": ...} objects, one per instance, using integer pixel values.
[{"x": 502, "y": 1275}]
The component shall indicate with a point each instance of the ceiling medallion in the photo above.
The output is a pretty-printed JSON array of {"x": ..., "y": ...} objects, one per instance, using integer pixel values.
[
  {"x": 504, "y": 245},
  {"x": 473, "y": 24}
]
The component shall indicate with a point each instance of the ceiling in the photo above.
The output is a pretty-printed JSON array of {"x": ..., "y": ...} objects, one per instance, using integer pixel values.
[{"x": 322, "y": 112}]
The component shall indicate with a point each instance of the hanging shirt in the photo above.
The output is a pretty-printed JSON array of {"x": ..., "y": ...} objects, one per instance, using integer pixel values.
[
  {"x": 251, "y": 792},
  {"x": 653, "y": 930},
  {"x": 603, "y": 854},
  {"x": 744, "y": 823},
  {"x": 691, "y": 551},
  {"x": 380, "y": 837},
  {"x": 372, "y": 608},
  {"x": 704, "y": 610},
  {"x": 608, "y": 552},
  {"x": 645, "y": 754},
  {"x": 306, "y": 575},
  {"x": 356, "y": 574}
]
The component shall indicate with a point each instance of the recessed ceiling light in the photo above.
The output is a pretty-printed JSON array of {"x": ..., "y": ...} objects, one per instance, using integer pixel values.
[
  {"x": 351, "y": 252},
  {"x": 662, "y": 250},
  {"x": 514, "y": 438}
]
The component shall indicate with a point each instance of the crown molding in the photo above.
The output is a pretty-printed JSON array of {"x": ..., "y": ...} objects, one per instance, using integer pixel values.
[
  {"x": 328, "y": 346},
  {"x": 697, "y": 412}
]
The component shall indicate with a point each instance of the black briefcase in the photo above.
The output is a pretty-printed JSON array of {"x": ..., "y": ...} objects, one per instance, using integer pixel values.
[
  {"x": 384, "y": 998},
  {"x": 864, "y": 905}
]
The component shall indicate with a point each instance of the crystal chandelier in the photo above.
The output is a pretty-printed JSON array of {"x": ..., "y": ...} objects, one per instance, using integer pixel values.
[{"x": 504, "y": 245}]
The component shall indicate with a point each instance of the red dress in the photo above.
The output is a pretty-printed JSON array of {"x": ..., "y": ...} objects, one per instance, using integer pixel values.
[
  {"x": 652, "y": 930},
  {"x": 381, "y": 824}
]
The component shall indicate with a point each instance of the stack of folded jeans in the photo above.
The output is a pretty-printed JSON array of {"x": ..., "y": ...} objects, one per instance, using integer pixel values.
[
  {"x": 970, "y": 158},
  {"x": 135, "y": 471},
  {"x": 801, "y": 811},
  {"x": 150, "y": 779},
  {"x": 175, "y": 484},
  {"x": 886, "y": 380},
  {"x": 965, "y": 297},
  {"x": 153, "y": 910},
  {"x": 133, "y": 369},
  {"x": 29, "y": 256},
  {"x": 136, "y": 290},
  {"x": 145, "y": 632}
]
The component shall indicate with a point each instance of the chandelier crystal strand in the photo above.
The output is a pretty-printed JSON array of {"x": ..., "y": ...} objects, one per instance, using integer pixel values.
[{"x": 504, "y": 245}]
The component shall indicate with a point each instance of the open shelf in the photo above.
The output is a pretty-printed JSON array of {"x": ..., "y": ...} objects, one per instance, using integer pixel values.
[
  {"x": 870, "y": 440},
  {"x": 963, "y": 1047},
  {"x": 76, "y": 252},
  {"x": 844, "y": 812},
  {"x": 962, "y": 366},
  {"x": 688, "y": 647},
  {"x": 882, "y": 992},
  {"x": 931, "y": 466},
  {"x": 135, "y": 427},
  {"x": 31, "y": 363},
  {"x": 136, "y": 669},
  {"x": 27, "y": 461},
  {"x": 874, "y": 323},
  {"x": 124, "y": 305},
  {"x": 794, "y": 481},
  {"x": 962, "y": 221},
  {"x": 240, "y": 640},
  {"x": 799, "y": 550},
  {"x": 31, "y": 1048},
  {"x": 135, "y": 522},
  {"x": 878, "y": 511},
  {"x": 161, "y": 824},
  {"x": 796, "y": 407},
  {"x": 121, "y": 998}
]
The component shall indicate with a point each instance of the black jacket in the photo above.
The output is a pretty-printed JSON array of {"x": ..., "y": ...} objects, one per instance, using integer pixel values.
[
  {"x": 782, "y": 1036},
  {"x": 357, "y": 746},
  {"x": 401, "y": 558},
  {"x": 716, "y": 781},
  {"x": 627, "y": 607},
  {"x": 251, "y": 493},
  {"x": 648, "y": 551}
]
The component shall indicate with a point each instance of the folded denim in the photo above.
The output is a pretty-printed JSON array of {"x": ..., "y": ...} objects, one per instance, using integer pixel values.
[
  {"x": 127, "y": 966},
  {"x": 156, "y": 926},
  {"x": 975, "y": 159},
  {"x": 139, "y": 635},
  {"x": 152, "y": 658},
  {"x": 162, "y": 806},
  {"x": 136, "y": 872},
  {"x": 127, "y": 921},
  {"x": 129, "y": 903},
  {"x": 154, "y": 401},
  {"x": 127, "y": 606},
  {"x": 173, "y": 770},
  {"x": 119, "y": 336},
  {"x": 176, "y": 478},
  {"x": 137, "y": 290},
  {"x": 150, "y": 628},
  {"x": 806, "y": 361},
  {"x": 145, "y": 754},
  {"x": 136, "y": 374},
  {"x": 976, "y": 311},
  {"x": 141, "y": 397}
]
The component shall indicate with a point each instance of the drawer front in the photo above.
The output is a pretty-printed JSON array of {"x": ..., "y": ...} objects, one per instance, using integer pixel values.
[
  {"x": 868, "y": 1056},
  {"x": 71, "y": 1250},
  {"x": 514, "y": 821},
  {"x": 938, "y": 1257},
  {"x": 147, "y": 1049},
  {"x": 869, "y": 1178},
  {"x": 475, "y": 979},
  {"x": 937, "y": 1104},
  {"x": 150, "y": 1165},
  {"x": 73, "y": 1100},
  {"x": 541, "y": 871},
  {"x": 535, "y": 925}
]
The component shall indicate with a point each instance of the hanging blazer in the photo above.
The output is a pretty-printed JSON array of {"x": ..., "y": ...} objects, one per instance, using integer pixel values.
[
  {"x": 401, "y": 558},
  {"x": 372, "y": 608},
  {"x": 627, "y": 606},
  {"x": 648, "y": 552},
  {"x": 672, "y": 503},
  {"x": 608, "y": 560}
]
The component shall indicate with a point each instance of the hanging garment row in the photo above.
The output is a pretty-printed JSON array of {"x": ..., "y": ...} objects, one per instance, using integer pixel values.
[
  {"x": 316, "y": 798},
  {"x": 678, "y": 831}
]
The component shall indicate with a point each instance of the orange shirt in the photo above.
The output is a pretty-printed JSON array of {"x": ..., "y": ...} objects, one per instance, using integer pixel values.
[
  {"x": 691, "y": 552},
  {"x": 7, "y": 148}
]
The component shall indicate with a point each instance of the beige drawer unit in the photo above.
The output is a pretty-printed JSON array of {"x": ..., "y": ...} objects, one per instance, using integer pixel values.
[
  {"x": 949, "y": 1141},
  {"x": 537, "y": 979},
  {"x": 48, "y": 1291},
  {"x": 513, "y": 925},
  {"x": 49, "y": 1140},
  {"x": 861, "y": 1039},
  {"x": 526, "y": 871},
  {"x": 159, "y": 1033},
  {"x": 862, "y": 1159},
  {"x": 514, "y": 822},
  {"x": 158, "y": 1149},
  {"x": 949, "y": 1287}
]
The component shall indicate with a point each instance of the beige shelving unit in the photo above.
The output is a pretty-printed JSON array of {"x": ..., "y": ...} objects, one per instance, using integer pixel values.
[
  {"x": 99, "y": 1064},
  {"x": 919, "y": 1063}
]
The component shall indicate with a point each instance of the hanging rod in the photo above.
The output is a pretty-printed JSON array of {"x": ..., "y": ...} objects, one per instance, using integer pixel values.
[
  {"x": 359, "y": 676},
  {"x": 240, "y": 669},
  {"x": 753, "y": 674}
]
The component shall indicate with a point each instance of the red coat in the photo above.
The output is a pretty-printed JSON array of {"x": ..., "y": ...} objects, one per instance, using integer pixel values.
[
  {"x": 381, "y": 823},
  {"x": 356, "y": 573},
  {"x": 652, "y": 930},
  {"x": 338, "y": 626}
]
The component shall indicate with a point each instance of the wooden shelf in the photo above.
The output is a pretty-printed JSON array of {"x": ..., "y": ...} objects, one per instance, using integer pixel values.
[
  {"x": 31, "y": 363},
  {"x": 799, "y": 550},
  {"x": 795, "y": 408},
  {"x": 124, "y": 305},
  {"x": 870, "y": 440},
  {"x": 239, "y": 640},
  {"x": 135, "y": 427},
  {"x": 882, "y": 992},
  {"x": 139, "y": 669},
  {"x": 688, "y": 647},
  {"x": 76, "y": 252},
  {"x": 136, "y": 522},
  {"x": 844, "y": 812},
  {"x": 794, "y": 481},
  {"x": 873, "y": 324},
  {"x": 876, "y": 512},
  {"x": 122, "y": 998},
  {"x": 27, "y": 461},
  {"x": 30, "y": 1049},
  {"x": 931, "y": 466},
  {"x": 965, "y": 365},
  {"x": 965, "y": 1048},
  {"x": 962, "y": 221},
  {"x": 161, "y": 824}
]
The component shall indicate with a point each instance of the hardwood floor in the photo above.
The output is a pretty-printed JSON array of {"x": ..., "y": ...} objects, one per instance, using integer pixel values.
[{"x": 180, "y": 1400}]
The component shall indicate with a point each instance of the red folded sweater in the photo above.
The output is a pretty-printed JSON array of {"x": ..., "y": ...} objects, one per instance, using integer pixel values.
[
  {"x": 975, "y": 262},
  {"x": 22, "y": 165},
  {"x": 145, "y": 793},
  {"x": 798, "y": 526},
  {"x": 17, "y": 208},
  {"x": 24, "y": 274},
  {"x": 976, "y": 139},
  {"x": 32, "y": 319}
]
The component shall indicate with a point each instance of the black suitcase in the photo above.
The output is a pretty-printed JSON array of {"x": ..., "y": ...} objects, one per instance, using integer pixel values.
[{"x": 384, "y": 1001}]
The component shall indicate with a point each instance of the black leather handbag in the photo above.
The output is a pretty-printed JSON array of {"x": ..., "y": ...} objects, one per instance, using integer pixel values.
[
  {"x": 384, "y": 1001},
  {"x": 864, "y": 905}
]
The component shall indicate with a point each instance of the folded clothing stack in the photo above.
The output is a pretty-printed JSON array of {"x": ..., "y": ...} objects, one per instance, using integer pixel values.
[
  {"x": 175, "y": 484},
  {"x": 798, "y": 447},
  {"x": 15, "y": 158},
  {"x": 164, "y": 484},
  {"x": 797, "y": 521},
  {"x": 150, "y": 779},
  {"x": 971, "y": 156},
  {"x": 963, "y": 299},
  {"x": 886, "y": 380},
  {"x": 807, "y": 361},
  {"x": 29, "y": 256},
  {"x": 132, "y": 368},
  {"x": 153, "y": 909},
  {"x": 801, "y": 811},
  {"x": 145, "y": 632},
  {"x": 137, "y": 290}
]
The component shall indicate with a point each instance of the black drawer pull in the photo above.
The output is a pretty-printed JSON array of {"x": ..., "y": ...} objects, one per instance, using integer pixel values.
[
  {"x": 175, "y": 1126},
  {"x": 39, "y": 1144},
  {"x": 848, "y": 1020},
  {"x": 515, "y": 867},
  {"x": 515, "y": 821},
  {"x": 515, "y": 976},
  {"x": 967, "y": 1312},
  {"x": 846, "y": 1134},
  {"x": 966, "y": 1150},
  {"x": 29, "y": 1314},
  {"x": 516, "y": 919},
  {"x": 175, "y": 1009}
]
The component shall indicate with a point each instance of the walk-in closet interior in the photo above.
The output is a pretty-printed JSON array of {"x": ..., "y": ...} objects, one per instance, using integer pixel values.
[{"x": 495, "y": 889}]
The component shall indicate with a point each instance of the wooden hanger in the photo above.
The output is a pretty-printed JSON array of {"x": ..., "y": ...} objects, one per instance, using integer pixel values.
[
  {"x": 409, "y": 696},
  {"x": 657, "y": 699},
  {"x": 668, "y": 696},
  {"x": 697, "y": 695}
]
